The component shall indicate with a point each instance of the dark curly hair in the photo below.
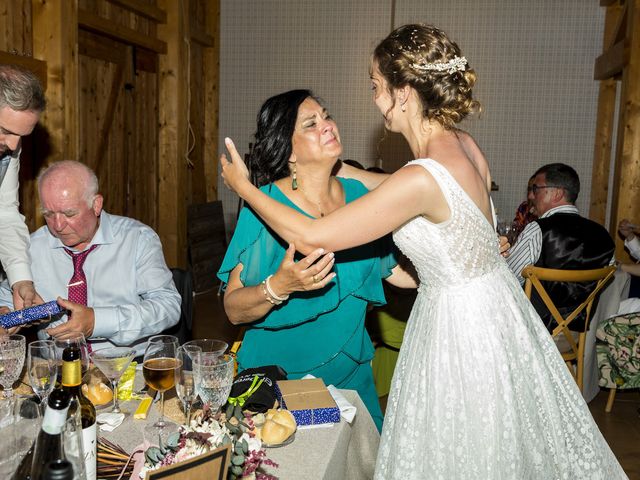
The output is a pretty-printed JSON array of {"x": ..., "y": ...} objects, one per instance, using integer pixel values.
[
  {"x": 446, "y": 97},
  {"x": 269, "y": 157}
]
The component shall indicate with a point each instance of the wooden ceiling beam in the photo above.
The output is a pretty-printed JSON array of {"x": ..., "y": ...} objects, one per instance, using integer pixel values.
[
  {"x": 611, "y": 62},
  {"x": 95, "y": 23},
  {"x": 143, "y": 9}
]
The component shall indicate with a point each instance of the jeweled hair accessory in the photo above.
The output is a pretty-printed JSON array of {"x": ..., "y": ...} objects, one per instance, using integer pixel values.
[{"x": 456, "y": 64}]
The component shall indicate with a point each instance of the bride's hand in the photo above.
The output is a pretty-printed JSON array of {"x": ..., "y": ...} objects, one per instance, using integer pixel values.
[{"x": 234, "y": 172}]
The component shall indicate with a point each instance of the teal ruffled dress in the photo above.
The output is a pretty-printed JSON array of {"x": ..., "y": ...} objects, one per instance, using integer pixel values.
[{"x": 321, "y": 332}]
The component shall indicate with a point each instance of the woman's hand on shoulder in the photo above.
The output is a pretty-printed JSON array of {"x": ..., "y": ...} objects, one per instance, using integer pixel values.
[
  {"x": 234, "y": 173},
  {"x": 312, "y": 272}
]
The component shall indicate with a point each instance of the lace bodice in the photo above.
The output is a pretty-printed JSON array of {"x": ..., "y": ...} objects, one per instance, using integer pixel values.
[{"x": 467, "y": 245}]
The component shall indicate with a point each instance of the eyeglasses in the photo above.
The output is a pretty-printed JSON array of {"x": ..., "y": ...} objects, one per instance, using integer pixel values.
[{"x": 534, "y": 188}]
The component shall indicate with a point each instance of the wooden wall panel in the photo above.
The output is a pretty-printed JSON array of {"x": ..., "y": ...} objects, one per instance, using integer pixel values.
[{"x": 16, "y": 34}]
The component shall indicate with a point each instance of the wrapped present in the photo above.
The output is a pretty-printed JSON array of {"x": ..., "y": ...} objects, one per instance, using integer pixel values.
[
  {"x": 308, "y": 400},
  {"x": 30, "y": 314}
]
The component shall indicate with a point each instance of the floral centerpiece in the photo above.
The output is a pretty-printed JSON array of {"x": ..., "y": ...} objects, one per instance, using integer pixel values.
[{"x": 208, "y": 431}]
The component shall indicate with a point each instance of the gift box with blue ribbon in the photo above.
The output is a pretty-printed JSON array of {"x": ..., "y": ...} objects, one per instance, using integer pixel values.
[{"x": 308, "y": 400}]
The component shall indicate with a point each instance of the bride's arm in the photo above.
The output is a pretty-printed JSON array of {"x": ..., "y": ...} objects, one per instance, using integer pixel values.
[
  {"x": 371, "y": 180},
  {"x": 405, "y": 195}
]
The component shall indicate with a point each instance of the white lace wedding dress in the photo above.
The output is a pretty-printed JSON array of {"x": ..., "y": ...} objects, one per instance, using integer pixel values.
[{"x": 480, "y": 390}]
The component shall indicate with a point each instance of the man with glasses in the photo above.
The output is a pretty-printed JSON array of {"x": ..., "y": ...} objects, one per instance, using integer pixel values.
[
  {"x": 560, "y": 238},
  {"x": 21, "y": 103}
]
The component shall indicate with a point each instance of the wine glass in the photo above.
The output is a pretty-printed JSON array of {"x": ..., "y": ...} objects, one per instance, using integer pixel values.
[
  {"x": 113, "y": 361},
  {"x": 42, "y": 367},
  {"x": 213, "y": 376},
  {"x": 12, "y": 352},
  {"x": 184, "y": 378},
  {"x": 505, "y": 228},
  {"x": 75, "y": 339},
  {"x": 158, "y": 369},
  {"x": 19, "y": 425}
]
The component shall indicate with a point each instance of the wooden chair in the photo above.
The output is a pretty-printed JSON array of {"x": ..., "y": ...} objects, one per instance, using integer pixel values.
[{"x": 571, "y": 345}]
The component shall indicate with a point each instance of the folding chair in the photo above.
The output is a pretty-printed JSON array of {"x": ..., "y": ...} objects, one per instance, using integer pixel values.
[{"x": 571, "y": 345}]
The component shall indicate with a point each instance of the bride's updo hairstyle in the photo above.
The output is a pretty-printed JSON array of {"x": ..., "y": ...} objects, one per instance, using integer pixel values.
[
  {"x": 423, "y": 57},
  {"x": 269, "y": 157}
]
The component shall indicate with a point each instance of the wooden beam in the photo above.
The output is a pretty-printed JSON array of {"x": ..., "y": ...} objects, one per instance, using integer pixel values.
[
  {"x": 38, "y": 67},
  {"x": 173, "y": 116},
  {"x": 95, "y": 23},
  {"x": 143, "y": 9},
  {"x": 611, "y": 62},
  {"x": 626, "y": 186},
  {"x": 203, "y": 38},
  {"x": 56, "y": 42},
  {"x": 212, "y": 102},
  {"x": 604, "y": 127},
  {"x": 602, "y": 151}
]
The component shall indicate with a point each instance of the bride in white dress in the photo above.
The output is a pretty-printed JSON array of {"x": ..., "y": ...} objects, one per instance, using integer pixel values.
[{"x": 480, "y": 390}]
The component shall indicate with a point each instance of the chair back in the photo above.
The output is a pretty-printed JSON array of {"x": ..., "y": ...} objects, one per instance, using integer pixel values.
[
  {"x": 571, "y": 346},
  {"x": 184, "y": 284}
]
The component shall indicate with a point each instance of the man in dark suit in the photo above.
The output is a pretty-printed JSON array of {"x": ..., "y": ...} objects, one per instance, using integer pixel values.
[{"x": 560, "y": 238}]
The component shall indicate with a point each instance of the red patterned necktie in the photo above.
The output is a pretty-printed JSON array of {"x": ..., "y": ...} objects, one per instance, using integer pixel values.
[{"x": 78, "y": 283}]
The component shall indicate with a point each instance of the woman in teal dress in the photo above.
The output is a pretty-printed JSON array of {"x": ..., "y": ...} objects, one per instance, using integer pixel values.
[{"x": 305, "y": 314}]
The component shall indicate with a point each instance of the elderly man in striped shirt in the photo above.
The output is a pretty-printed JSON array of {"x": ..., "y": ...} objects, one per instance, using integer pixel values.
[{"x": 560, "y": 238}]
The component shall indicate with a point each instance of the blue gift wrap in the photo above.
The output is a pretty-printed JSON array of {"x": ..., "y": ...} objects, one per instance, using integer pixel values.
[
  {"x": 310, "y": 416},
  {"x": 30, "y": 314}
]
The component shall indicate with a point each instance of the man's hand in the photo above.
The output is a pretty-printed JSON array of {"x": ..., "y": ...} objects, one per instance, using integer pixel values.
[
  {"x": 504, "y": 245},
  {"x": 627, "y": 229},
  {"x": 81, "y": 319},
  {"x": 25, "y": 295}
]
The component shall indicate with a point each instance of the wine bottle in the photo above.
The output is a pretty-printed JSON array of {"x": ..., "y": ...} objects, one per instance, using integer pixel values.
[
  {"x": 71, "y": 382},
  {"x": 58, "y": 470},
  {"x": 49, "y": 444}
]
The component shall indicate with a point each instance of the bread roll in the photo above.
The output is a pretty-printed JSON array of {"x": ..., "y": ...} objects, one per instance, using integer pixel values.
[
  {"x": 97, "y": 393},
  {"x": 278, "y": 427}
]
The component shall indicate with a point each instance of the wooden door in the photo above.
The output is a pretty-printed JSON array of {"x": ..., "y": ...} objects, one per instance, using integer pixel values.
[{"x": 118, "y": 123}]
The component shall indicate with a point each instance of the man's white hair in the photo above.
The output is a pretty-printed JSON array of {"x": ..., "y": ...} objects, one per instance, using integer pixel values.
[{"x": 90, "y": 181}]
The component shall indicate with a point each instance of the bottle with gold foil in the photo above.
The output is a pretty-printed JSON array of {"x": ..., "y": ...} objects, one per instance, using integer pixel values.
[{"x": 72, "y": 382}]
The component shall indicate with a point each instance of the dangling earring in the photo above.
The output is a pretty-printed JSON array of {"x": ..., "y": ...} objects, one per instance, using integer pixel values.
[
  {"x": 294, "y": 177},
  {"x": 403, "y": 107}
]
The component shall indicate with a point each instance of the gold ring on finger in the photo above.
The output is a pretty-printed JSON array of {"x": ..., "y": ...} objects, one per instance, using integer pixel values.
[{"x": 315, "y": 279}]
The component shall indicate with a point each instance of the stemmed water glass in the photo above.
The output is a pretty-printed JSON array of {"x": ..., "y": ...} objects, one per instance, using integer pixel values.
[
  {"x": 113, "y": 361},
  {"x": 159, "y": 365},
  {"x": 12, "y": 352},
  {"x": 185, "y": 387},
  {"x": 208, "y": 345},
  {"x": 213, "y": 376},
  {"x": 42, "y": 367}
]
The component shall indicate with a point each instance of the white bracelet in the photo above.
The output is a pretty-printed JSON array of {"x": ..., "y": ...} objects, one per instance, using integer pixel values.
[
  {"x": 268, "y": 297},
  {"x": 271, "y": 292}
]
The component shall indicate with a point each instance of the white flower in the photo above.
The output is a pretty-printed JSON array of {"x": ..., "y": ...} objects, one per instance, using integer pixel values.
[{"x": 255, "y": 445}]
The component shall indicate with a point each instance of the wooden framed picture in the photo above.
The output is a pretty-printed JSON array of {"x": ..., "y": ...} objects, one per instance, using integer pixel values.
[{"x": 212, "y": 465}]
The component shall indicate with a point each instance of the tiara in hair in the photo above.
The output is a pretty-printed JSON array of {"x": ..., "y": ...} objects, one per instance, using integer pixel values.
[{"x": 456, "y": 64}]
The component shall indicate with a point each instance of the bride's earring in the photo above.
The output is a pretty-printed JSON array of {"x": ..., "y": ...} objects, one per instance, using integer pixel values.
[{"x": 403, "y": 107}]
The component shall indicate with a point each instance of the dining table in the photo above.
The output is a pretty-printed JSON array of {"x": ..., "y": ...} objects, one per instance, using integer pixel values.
[{"x": 329, "y": 451}]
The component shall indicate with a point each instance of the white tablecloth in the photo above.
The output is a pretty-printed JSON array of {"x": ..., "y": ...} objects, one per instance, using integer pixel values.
[{"x": 343, "y": 451}]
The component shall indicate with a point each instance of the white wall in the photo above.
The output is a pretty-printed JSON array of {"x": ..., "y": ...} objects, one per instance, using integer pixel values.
[{"x": 534, "y": 62}]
